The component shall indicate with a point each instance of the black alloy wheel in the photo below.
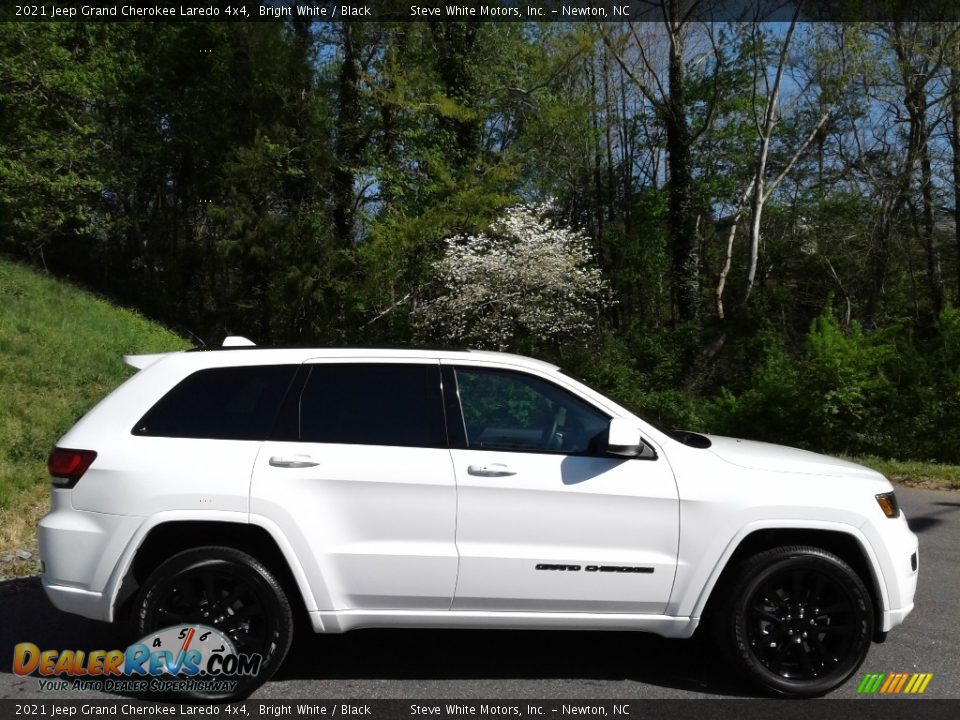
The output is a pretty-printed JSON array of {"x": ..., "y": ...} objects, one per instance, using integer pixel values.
[
  {"x": 800, "y": 622},
  {"x": 228, "y": 590}
]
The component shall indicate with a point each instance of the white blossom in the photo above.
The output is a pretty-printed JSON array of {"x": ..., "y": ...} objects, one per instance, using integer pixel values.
[{"x": 525, "y": 276}]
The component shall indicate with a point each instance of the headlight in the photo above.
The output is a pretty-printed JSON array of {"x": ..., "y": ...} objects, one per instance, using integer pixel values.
[{"x": 888, "y": 503}]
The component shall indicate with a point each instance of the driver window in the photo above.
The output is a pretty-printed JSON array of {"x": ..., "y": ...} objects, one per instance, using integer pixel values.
[{"x": 505, "y": 410}]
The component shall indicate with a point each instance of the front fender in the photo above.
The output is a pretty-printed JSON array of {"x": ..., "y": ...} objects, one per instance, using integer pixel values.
[{"x": 693, "y": 590}]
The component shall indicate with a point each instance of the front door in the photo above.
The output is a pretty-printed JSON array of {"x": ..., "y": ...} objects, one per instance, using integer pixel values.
[{"x": 546, "y": 521}]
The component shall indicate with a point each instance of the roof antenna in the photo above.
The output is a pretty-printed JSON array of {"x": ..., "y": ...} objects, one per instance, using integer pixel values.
[
  {"x": 195, "y": 337},
  {"x": 237, "y": 341}
]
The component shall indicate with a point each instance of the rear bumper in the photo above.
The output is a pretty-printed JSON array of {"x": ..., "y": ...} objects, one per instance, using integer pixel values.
[
  {"x": 79, "y": 602},
  {"x": 81, "y": 554}
]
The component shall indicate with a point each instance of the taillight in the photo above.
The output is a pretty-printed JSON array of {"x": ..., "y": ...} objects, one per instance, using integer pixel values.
[{"x": 67, "y": 466}]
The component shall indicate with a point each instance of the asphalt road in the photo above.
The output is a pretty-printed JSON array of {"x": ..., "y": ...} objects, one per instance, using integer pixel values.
[{"x": 373, "y": 664}]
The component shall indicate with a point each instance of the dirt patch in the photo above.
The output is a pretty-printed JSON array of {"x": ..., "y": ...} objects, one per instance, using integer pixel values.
[
  {"x": 20, "y": 563},
  {"x": 923, "y": 483}
]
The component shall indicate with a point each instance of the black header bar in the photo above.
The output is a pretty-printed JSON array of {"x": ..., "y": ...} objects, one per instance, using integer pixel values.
[
  {"x": 499, "y": 709},
  {"x": 607, "y": 11}
]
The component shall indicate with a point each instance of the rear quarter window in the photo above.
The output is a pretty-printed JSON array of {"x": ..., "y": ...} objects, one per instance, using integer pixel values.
[{"x": 237, "y": 403}]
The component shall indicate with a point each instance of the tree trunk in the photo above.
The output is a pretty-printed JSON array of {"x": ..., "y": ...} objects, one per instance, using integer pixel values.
[
  {"x": 455, "y": 43},
  {"x": 934, "y": 276},
  {"x": 347, "y": 143},
  {"x": 955, "y": 147},
  {"x": 681, "y": 217}
]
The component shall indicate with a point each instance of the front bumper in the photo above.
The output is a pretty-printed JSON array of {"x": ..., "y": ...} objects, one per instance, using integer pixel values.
[{"x": 898, "y": 562}]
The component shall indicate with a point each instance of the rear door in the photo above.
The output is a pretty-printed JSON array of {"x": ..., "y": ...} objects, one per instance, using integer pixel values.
[
  {"x": 546, "y": 521},
  {"x": 363, "y": 486}
]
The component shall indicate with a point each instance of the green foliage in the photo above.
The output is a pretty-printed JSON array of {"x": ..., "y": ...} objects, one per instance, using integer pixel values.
[
  {"x": 847, "y": 372},
  {"x": 640, "y": 371},
  {"x": 60, "y": 352},
  {"x": 836, "y": 395},
  {"x": 936, "y": 395},
  {"x": 48, "y": 145}
]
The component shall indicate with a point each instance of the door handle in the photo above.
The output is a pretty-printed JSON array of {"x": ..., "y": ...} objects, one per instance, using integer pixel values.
[
  {"x": 293, "y": 461},
  {"x": 491, "y": 470}
]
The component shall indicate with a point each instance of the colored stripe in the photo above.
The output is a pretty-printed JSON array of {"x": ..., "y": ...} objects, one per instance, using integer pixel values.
[
  {"x": 926, "y": 681},
  {"x": 903, "y": 679},
  {"x": 914, "y": 683},
  {"x": 867, "y": 679},
  {"x": 877, "y": 680},
  {"x": 892, "y": 685},
  {"x": 890, "y": 680}
]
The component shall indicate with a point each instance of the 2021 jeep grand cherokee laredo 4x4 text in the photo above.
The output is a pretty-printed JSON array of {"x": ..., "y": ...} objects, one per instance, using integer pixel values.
[{"x": 416, "y": 488}]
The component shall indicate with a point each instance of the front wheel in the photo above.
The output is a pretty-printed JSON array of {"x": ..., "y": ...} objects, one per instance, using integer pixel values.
[
  {"x": 225, "y": 589},
  {"x": 799, "y": 621}
]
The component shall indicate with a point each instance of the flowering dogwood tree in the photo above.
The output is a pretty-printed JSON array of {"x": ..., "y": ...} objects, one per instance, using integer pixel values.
[{"x": 527, "y": 276}]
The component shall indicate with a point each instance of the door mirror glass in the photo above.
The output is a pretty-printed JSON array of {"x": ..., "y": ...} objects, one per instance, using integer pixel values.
[{"x": 624, "y": 438}]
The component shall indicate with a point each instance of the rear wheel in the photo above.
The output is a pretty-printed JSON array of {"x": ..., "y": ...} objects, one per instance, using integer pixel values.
[
  {"x": 225, "y": 589},
  {"x": 799, "y": 621}
]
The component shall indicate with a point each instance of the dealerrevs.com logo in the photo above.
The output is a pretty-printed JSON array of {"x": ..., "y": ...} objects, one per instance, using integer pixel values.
[
  {"x": 894, "y": 683},
  {"x": 180, "y": 658}
]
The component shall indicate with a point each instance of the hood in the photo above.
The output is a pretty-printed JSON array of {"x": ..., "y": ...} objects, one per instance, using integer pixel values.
[{"x": 780, "y": 458}]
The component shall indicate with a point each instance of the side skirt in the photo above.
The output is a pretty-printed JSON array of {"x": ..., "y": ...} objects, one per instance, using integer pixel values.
[{"x": 345, "y": 620}]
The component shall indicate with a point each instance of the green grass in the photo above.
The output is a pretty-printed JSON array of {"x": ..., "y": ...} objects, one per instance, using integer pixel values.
[
  {"x": 61, "y": 351},
  {"x": 915, "y": 472}
]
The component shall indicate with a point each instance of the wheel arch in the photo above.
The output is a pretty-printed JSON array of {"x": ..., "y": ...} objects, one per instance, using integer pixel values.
[
  {"x": 845, "y": 544},
  {"x": 167, "y": 538}
]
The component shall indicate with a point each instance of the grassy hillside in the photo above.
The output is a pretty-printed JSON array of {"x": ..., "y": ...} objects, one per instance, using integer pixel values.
[{"x": 60, "y": 352}]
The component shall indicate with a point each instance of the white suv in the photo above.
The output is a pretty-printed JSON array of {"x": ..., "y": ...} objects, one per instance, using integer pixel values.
[{"x": 240, "y": 487}]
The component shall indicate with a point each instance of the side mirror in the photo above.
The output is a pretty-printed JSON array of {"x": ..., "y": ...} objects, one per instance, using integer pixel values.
[{"x": 624, "y": 439}]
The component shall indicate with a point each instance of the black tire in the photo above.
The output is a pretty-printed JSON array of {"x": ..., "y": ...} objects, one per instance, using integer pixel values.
[
  {"x": 248, "y": 605},
  {"x": 798, "y": 621}
]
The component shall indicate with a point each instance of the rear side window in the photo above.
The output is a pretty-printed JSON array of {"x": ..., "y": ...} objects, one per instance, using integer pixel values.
[
  {"x": 375, "y": 404},
  {"x": 237, "y": 403}
]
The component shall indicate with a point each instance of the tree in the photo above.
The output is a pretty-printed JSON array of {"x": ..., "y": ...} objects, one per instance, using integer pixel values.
[
  {"x": 832, "y": 72},
  {"x": 49, "y": 177},
  {"x": 527, "y": 277},
  {"x": 953, "y": 97},
  {"x": 674, "y": 102}
]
